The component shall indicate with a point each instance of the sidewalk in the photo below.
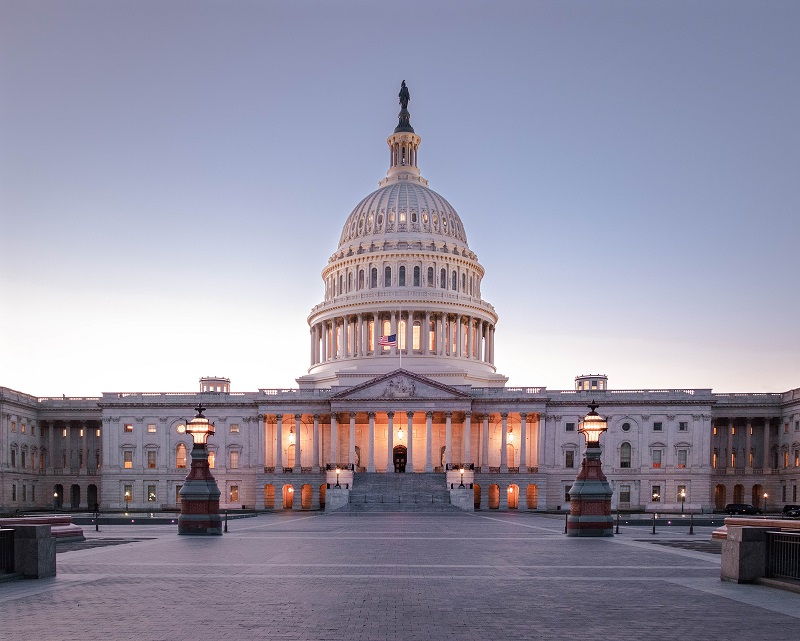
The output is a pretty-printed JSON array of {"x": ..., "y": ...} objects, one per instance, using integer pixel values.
[{"x": 393, "y": 576}]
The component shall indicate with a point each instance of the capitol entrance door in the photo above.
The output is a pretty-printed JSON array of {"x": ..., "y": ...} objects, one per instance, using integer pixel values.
[{"x": 400, "y": 454}]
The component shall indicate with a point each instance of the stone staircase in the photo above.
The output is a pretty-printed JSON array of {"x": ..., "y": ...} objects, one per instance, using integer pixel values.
[{"x": 399, "y": 493}]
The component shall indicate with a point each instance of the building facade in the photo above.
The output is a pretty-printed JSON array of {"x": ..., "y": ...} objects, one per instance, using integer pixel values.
[{"x": 401, "y": 380}]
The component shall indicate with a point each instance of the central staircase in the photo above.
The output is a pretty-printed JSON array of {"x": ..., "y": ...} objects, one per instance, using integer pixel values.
[{"x": 399, "y": 493}]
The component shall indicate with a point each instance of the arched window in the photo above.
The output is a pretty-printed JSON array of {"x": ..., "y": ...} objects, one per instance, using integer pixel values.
[
  {"x": 430, "y": 277},
  {"x": 373, "y": 278},
  {"x": 180, "y": 456},
  {"x": 416, "y": 276},
  {"x": 350, "y": 281},
  {"x": 625, "y": 455},
  {"x": 387, "y": 277},
  {"x": 341, "y": 284},
  {"x": 443, "y": 278},
  {"x": 454, "y": 281},
  {"x": 464, "y": 283},
  {"x": 401, "y": 276},
  {"x": 361, "y": 279}
]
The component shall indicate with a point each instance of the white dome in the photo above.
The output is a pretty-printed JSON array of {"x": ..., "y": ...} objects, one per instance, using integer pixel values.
[{"x": 402, "y": 210}]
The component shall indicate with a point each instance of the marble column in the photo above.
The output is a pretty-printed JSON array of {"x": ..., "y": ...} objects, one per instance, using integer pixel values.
[
  {"x": 428, "y": 442},
  {"x": 410, "y": 440},
  {"x": 448, "y": 443},
  {"x": 523, "y": 443},
  {"x": 69, "y": 448},
  {"x": 298, "y": 452},
  {"x": 765, "y": 464},
  {"x": 352, "y": 455},
  {"x": 334, "y": 454},
  {"x": 748, "y": 445},
  {"x": 425, "y": 334},
  {"x": 84, "y": 448},
  {"x": 376, "y": 334},
  {"x": 279, "y": 443},
  {"x": 51, "y": 451},
  {"x": 467, "y": 438},
  {"x": 371, "y": 444},
  {"x": 390, "y": 443},
  {"x": 485, "y": 445},
  {"x": 728, "y": 457},
  {"x": 503, "y": 442},
  {"x": 324, "y": 328}
]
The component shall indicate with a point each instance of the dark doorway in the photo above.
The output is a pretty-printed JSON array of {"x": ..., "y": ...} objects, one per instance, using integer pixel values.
[
  {"x": 91, "y": 497},
  {"x": 400, "y": 455},
  {"x": 75, "y": 497}
]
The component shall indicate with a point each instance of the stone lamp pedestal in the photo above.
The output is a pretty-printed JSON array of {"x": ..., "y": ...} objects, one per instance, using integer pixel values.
[
  {"x": 200, "y": 498},
  {"x": 590, "y": 498}
]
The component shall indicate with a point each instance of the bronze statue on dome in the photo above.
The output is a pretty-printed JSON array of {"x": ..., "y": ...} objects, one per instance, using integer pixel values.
[{"x": 404, "y": 95}]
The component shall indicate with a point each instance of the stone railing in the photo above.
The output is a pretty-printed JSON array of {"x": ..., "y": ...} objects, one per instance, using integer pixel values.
[{"x": 414, "y": 294}]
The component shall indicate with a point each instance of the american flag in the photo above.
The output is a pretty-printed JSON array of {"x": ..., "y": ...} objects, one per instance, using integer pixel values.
[{"x": 388, "y": 341}]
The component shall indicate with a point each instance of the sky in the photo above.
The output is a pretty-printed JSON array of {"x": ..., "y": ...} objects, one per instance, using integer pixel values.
[{"x": 174, "y": 176}]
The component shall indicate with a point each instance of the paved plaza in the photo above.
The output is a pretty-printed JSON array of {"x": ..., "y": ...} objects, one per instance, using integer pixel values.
[{"x": 393, "y": 576}]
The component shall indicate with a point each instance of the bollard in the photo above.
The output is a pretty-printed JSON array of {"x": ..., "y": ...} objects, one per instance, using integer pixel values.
[
  {"x": 566, "y": 520},
  {"x": 617, "y": 530},
  {"x": 226, "y": 521},
  {"x": 97, "y": 521},
  {"x": 654, "y": 522},
  {"x": 691, "y": 524}
]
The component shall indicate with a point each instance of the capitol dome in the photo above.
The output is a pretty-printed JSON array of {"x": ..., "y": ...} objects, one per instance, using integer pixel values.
[{"x": 403, "y": 288}]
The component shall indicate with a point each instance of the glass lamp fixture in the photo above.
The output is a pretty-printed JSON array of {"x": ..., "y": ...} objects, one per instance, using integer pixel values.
[
  {"x": 592, "y": 426},
  {"x": 511, "y": 435},
  {"x": 400, "y": 434},
  {"x": 200, "y": 427},
  {"x": 291, "y": 435}
]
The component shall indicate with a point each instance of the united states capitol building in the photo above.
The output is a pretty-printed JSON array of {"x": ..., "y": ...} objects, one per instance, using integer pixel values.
[{"x": 401, "y": 386}]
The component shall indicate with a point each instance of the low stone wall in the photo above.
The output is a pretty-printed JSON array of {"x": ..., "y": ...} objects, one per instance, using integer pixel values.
[
  {"x": 61, "y": 527},
  {"x": 744, "y": 549},
  {"x": 336, "y": 498}
]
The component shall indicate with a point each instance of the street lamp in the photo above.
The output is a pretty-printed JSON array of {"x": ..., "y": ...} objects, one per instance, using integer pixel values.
[
  {"x": 656, "y": 497},
  {"x": 683, "y": 498},
  {"x": 766, "y": 496},
  {"x": 55, "y": 500},
  {"x": 200, "y": 494},
  {"x": 462, "y": 478},
  {"x": 337, "y": 477},
  {"x": 590, "y": 495}
]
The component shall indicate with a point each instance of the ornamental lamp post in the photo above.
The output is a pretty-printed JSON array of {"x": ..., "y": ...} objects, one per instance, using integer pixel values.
[
  {"x": 590, "y": 495},
  {"x": 766, "y": 496},
  {"x": 200, "y": 494},
  {"x": 683, "y": 499},
  {"x": 462, "y": 477}
]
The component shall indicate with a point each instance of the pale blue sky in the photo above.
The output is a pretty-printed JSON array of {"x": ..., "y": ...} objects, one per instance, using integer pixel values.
[{"x": 175, "y": 175}]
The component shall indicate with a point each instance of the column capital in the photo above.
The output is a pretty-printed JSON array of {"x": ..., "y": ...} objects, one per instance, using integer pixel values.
[
  {"x": 371, "y": 415},
  {"x": 504, "y": 415},
  {"x": 523, "y": 415},
  {"x": 390, "y": 414},
  {"x": 352, "y": 416},
  {"x": 279, "y": 417},
  {"x": 448, "y": 414},
  {"x": 429, "y": 414},
  {"x": 297, "y": 417},
  {"x": 410, "y": 414},
  {"x": 468, "y": 414},
  {"x": 316, "y": 417}
]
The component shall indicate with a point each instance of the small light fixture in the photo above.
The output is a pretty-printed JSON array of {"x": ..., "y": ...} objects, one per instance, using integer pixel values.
[
  {"x": 400, "y": 434},
  {"x": 291, "y": 435},
  {"x": 510, "y": 489},
  {"x": 511, "y": 435}
]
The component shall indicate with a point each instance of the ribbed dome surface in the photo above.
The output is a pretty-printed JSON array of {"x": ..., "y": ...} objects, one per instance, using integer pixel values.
[{"x": 402, "y": 209}]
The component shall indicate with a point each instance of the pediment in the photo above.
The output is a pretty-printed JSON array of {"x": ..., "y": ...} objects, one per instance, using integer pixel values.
[{"x": 401, "y": 384}]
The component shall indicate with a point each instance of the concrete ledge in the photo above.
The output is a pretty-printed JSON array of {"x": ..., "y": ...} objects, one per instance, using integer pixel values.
[
  {"x": 61, "y": 527},
  {"x": 721, "y": 533},
  {"x": 34, "y": 551}
]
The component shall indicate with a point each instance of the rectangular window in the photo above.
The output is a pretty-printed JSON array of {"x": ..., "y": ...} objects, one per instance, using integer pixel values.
[
  {"x": 658, "y": 426},
  {"x": 13, "y": 491},
  {"x": 656, "y": 458},
  {"x": 656, "y": 494},
  {"x": 178, "y": 494},
  {"x": 24, "y": 493},
  {"x": 569, "y": 458},
  {"x": 785, "y": 459},
  {"x": 127, "y": 427},
  {"x": 234, "y": 494},
  {"x": 127, "y": 493},
  {"x": 797, "y": 458},
  {"x": 13, "y": 426},
  {"x": 151, "y": 493},
  {"x": 567, "y": 488},
  {"x": 786, "y": 429},
  {"x": 80, "y": 433},
  {"x": 151, "y": 428},
  {"x": 682, "y": 456},
  {"x": 151, "y": 459},
  {"x": 681, "y": 496},
  {"x": 234, "y": 428},
  {"x": 794, "y": 493},
  {"x": 783, "y": 494},
  {"x": 33, "y": 493},
  {"x": 569, "y": 427},
  {"x": 624, "y": 493},
  {"x": 683, "y": 426},
  {"x": 127, "y": 458},
  {"x": 13, "y": 458},
  {"x": 797, "y": 426},
  {"x": 22, "y": 430},
  {"x": 234, "y": 459},
  {"x": 64, "y": 433},
  {"x": 416, "y": 333}
]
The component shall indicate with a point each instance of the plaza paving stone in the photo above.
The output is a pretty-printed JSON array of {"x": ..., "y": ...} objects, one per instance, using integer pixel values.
[{"x": 308, "y": 576}]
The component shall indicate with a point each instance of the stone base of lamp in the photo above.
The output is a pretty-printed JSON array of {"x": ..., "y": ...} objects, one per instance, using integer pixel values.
[
  {"x": 200, "y": 498},
  {"x": 590, "y": 499}
]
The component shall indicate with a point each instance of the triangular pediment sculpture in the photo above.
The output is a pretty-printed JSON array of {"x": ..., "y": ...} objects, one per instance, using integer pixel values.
[{"x": 400, "y": 384}]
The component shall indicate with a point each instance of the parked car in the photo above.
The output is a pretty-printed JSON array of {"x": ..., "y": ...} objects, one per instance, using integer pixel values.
[
  {"x": 791, "y": 510},
  {"x": 742, "y": 508}
]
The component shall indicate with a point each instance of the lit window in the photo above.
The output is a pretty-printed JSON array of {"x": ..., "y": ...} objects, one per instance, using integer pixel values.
[
  {"x": 797, "y": 458},
  {"x": 785, "y": 459},
  {"x": 80, "y": 432},
  {"x": 97, "y": 432},
  {"x": 151, "y": 428},
  {"x": 682, "y": 494},
  {"x": 416, "y": 334},
  {"x": 64, "y": 432},
  {"x": 180, "y": 456},
  {"x": 658, "y": 426},
  {"x": 234, "y": 428},
  {"x": 128, "y": 427},
  {"x": 127, "y": 458},
  {"x": 715, "y": 462},
  {"x": 234, "y": 494},
  {"x": 683, "y": 426},
  {"x": 786, "y": 429},
  {"x": 401, "y": 334},
  {"x": 127, "y": 493},
  {"x": 151, "y": 459},
  {"x": 655, "y": 494},
  {"x": 181, "y": 428},
  {"x": 234, "y": 459},
  {"x": 682, "y": 457},
  {"x": 22, "y": 429},
  {"x": 212, "y": 458},
  {"x": 151, "y": 493},
  {"x": 656, "y": 458},
  {"x": 569, "y": 458}
]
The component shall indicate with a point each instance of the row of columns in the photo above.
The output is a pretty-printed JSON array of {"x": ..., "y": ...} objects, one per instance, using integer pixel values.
[
  {"x": 73, "y": 432},
  {"x": 409, "y": 441},
  {"x": 348, "y": 336},
  {"x": 725, "y": 461}
]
